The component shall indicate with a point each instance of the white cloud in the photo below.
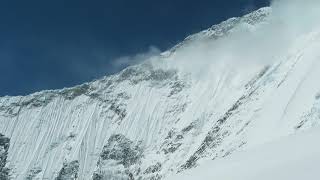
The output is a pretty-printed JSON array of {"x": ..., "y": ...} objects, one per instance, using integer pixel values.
[
  {"x": 248, "y": 47},
  {"x": 251, "y": 47},
  {"x": 138, "y": 58}
]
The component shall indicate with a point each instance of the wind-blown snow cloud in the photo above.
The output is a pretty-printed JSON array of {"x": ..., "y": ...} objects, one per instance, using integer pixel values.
[
  {"x": 250, "y": 6},
  {"x": 136, "y": 59},
  {"x": 251, "y": 46},
  {"x": 297, "y": 16},
  {"x": 247, "y": 48},
  {"x": 102, "y": 63}
]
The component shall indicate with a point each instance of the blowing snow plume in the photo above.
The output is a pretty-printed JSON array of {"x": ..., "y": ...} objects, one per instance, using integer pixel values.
[
  {"x": 296, "y": 16},
  {"x": 242, "y": 44}
]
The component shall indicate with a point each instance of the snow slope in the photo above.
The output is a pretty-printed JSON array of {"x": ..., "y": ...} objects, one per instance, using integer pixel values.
[
  {"x": 294, "y": 157},
  {"x": 216, "y": 93}
]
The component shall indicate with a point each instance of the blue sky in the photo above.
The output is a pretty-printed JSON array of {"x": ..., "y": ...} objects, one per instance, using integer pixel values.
[{"x": 61, "y": 43}]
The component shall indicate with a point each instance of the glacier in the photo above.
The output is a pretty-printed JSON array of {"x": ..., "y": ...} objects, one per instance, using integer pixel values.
[{"x": 173, "y": 113}]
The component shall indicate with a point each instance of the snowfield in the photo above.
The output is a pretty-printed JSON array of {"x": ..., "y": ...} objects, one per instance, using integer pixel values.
[
  {"x": 240, "y": 100},
  {"x": 294, "y": 157}
]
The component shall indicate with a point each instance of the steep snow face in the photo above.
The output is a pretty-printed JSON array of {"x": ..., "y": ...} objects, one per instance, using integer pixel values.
[{"x": 160, "y": 118}]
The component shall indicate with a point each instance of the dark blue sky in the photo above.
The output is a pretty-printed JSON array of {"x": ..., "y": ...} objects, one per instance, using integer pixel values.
[{"x": 61, "y": 43}]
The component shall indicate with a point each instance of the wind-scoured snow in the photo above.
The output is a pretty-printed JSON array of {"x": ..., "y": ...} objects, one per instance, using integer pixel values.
[{"x": 239, "y": 85}]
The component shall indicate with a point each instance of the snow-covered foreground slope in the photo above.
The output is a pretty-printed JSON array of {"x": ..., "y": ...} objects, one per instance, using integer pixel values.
[
  {"x": 294, "y": 157},
  {"x": 237, "y": 85}
]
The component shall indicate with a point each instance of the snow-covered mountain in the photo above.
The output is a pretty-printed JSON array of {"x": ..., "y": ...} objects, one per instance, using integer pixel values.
[{"x": 226, "y": 89}]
